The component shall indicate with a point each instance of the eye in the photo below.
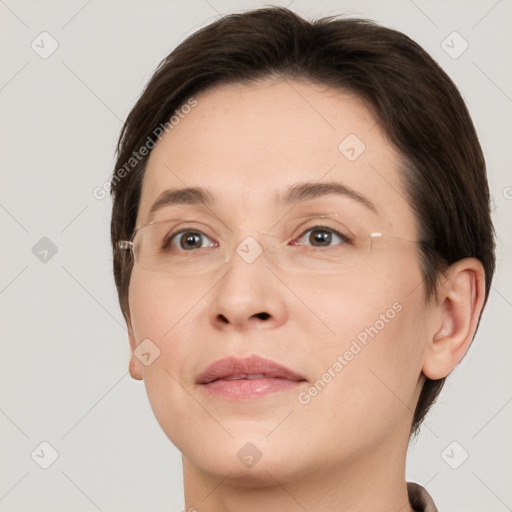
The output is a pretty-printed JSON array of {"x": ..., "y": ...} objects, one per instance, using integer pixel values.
[
  {"x": 187, "y": 240},
  {"x": 321, "y": 236}
]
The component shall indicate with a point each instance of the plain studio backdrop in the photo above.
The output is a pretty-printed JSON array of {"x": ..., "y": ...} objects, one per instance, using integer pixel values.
[{"x": 77, "y": 433}]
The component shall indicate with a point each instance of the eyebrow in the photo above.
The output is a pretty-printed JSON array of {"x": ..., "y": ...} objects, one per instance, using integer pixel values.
[
  {"x": 188, "y": 195},
  {"x": 304, "y": 191},
  {"x": 297, "y": 193}
]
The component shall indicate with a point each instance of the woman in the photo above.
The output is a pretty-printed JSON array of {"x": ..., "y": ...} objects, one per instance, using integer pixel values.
[{"x": 302, "y": 251}]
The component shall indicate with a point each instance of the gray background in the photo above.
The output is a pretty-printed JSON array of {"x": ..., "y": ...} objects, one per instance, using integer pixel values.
[{"x": 64, "y": 348}]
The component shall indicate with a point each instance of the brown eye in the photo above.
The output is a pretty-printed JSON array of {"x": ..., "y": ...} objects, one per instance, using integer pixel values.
[
  {"x": 190, "y": 240},
  {"x": 321, "y": 236},
  {"x": 187, "y": 240}
]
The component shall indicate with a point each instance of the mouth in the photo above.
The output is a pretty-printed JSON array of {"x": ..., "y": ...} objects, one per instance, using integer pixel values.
[{"x": 247, "y": 378}]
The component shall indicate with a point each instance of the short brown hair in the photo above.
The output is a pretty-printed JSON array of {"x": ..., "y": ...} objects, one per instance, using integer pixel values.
[{"x": 415, "y": 102}]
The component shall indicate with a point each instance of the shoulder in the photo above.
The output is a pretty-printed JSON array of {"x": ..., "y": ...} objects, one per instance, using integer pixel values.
[{"x": 420, "y": 499}]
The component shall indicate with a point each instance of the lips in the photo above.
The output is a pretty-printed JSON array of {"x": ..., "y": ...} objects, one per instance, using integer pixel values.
[
  {"x": 247, "y": 378},
  {"x": 250, "y": 368}
]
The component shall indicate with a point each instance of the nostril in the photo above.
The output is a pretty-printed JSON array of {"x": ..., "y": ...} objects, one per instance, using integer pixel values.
[
  {"x": 261, "y": 316},
  {"x": 222, "y": 318}
]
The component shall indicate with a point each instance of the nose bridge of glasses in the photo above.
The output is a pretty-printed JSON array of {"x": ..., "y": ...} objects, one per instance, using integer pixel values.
[{"x": 249, "y": 243}]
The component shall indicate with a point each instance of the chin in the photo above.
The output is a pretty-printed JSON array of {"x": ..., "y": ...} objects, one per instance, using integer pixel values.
[{"x": 248, "y": 464}]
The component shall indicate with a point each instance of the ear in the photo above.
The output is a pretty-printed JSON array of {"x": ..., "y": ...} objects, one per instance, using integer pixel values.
[
  {"x": 134, "y": 366},
  {"x": 460, "y": 301}
]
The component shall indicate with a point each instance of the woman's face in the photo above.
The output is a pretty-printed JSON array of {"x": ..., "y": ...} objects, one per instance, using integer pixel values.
[{"x": 346, "y": 319}]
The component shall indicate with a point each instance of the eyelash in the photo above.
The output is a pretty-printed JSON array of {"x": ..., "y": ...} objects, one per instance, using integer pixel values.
[{"x": 344, "y": 238}]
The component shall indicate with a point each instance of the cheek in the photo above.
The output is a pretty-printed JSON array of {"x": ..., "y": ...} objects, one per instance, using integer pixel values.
[
  {"x": 161, "y": 312},
  {"x": 158, "y": 305},
  {"x": 369, "y": 359},
  {"x": 341, "y": 309}
]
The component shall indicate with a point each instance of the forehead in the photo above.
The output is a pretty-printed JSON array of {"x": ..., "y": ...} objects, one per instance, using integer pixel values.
[{"x": 248, "y": 143}]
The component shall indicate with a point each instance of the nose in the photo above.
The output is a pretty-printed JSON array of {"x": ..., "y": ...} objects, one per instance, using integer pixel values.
[{"x": 249, "y": 295}]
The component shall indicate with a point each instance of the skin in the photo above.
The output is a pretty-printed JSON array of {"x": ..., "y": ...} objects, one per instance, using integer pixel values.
[{"x": 346, "y": 449}]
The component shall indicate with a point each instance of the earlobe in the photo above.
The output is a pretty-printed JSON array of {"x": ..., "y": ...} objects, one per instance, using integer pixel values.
[
  {"x": 461, "y": 299},
  {"x": 134, "y": 365}
]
